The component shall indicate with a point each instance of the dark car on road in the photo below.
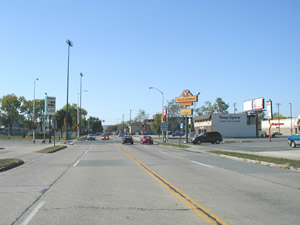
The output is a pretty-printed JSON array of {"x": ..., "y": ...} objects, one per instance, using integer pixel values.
[
  {"x": 146, "y": 139},
  {"x": 127, "y": 139},
  {"x": 211, "y": 137}
]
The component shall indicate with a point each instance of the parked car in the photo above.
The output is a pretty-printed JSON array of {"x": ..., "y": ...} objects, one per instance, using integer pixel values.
[
  {"x": 104, "y": 137},
  {"x": 212, "y": 137},
  {"x": 191, "y": 138},
  {"x": 91, "y": 137},
  {"x": 127, "y": 139},
  {"x": 262, "y": 133},
  {"x": 177, "y": 134},
  {"x": 294, "y": 140},
  {"x": 146, "y": 139},
  {"x": 276, "y": 134}
]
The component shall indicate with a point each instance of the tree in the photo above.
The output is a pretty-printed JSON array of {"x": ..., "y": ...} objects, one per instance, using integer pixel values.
[
  {"x": 174, "y": 118},
  {"x": 220, "y": 106},
  {"x": 155, "y": 126},
  {"x": 10, "y": 105},
  {"x": 208, "y": 108},
  {"x": 95, "y": 124},
  {"x": 141, "y": 116}
]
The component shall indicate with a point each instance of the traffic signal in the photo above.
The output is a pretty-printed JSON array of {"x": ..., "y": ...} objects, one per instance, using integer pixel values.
[
  {"x": 163, "y": 119},
  {"x": 143, "y": 124}
]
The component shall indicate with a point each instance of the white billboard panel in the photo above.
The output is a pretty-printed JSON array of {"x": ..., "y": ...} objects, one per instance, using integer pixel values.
[
  {"x": 258, "y": 104},
  {"x": 247, "y": 106}
]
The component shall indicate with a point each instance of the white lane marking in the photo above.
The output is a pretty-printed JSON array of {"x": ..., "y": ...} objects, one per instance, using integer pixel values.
[
  {"x": 33, "y": 213},
  {"x": 209, "y": 166},
  {"x": 76, "y": 163},
  {"x": 164, "y": 153},
  {"x": 86, "y": 151}
]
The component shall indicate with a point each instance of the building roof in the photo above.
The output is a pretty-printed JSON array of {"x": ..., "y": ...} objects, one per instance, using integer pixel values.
[{"x": 202, "y": 117}]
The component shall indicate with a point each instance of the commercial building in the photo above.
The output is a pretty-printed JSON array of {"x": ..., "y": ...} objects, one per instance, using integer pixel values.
[
  {"x": 229, "y": 125},
  {"x": 287, "y": 127}
]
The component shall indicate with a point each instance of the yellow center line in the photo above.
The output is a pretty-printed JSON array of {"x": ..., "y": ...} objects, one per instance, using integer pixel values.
[{"x": 204, "y": 213}]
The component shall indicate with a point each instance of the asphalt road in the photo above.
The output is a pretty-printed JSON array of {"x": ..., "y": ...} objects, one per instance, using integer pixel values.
[{"x": 105, "y": 182}]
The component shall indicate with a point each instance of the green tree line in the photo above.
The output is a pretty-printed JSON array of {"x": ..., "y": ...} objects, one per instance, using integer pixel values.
[{"x": 19, "y": 109}]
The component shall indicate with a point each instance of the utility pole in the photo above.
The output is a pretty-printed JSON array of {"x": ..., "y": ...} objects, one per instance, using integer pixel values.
[
  {"x": 291, "y": 119},
  {"x": 278, "y": 105}
]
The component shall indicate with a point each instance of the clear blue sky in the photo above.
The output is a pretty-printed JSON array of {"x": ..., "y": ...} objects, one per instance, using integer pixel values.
[{"x": 234, "y": 49}]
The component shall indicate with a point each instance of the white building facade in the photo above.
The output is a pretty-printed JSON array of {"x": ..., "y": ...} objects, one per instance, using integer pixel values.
[
  {"x": 289, "y": 126},
  {"x": 229, "y": 125}
]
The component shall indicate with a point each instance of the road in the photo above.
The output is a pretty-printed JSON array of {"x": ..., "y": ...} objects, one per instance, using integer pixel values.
[{"x": 105, "y": 182}]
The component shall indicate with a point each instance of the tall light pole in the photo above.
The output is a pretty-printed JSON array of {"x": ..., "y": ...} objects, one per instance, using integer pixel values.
[
  {"x": 162, "y": 96},
  {"x": 44, "y": 141},
  {"x": 70, "y": 44},
  {"x": 291, "y": 119},
  {"x": 162, "y": 106},
  {"x": 81, "y": 75},
  {"x": 278, "y": 105},
  {"x": 33, "y": 127}
]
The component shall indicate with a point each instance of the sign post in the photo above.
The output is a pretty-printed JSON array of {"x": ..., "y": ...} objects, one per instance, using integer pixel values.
[
  {"x": 186, "y": 99},
  {"x": 50, "y": 109}
]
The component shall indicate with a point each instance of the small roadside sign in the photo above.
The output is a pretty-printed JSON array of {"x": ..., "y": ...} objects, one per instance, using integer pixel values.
[{"x": 164, "y": 126}]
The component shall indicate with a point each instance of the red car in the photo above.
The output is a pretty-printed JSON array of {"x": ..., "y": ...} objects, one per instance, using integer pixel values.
[{"x": 147, "y": 139}]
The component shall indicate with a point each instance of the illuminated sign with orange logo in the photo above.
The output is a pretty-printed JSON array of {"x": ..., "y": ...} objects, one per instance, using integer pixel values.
[{"x": 186, "y": 98}]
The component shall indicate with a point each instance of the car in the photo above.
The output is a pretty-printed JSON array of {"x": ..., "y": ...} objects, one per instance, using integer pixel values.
[
  {"x": 276, "y": 134},
  {"x": 127, "y": 139},
  {"x": 146, "y": 139},
  {"x": 192, "y": 137},
  {"x": 212, "y": 137},
  {"x": 294, "y": 140},
  {"x": 177, "y": 134},
  {"x": 91, "y": 137},
  {"x": 121, "y": 134},
  {"x": 104, "y": 137},
  {"x": 262, "y": 133}
]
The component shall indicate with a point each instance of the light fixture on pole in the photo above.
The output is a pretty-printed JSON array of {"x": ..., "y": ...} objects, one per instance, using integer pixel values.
[
  {"x": 291, "y": 118},
  {"x": 162, "y": 108},
  {"x": 81, "y": 75},
  {"x": 162, "y": 95},
  {"x": 70, "y": 44},
  {"x": 33, "y": 117},
  {"x": 45, "y": 114}
]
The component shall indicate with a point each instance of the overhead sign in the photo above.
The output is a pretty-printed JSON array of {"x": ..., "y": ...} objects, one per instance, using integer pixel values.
[
  {"x": 50, "y": 106},
  {"x": 186, "y": 98},
  {"x": 186, "y": 112}
]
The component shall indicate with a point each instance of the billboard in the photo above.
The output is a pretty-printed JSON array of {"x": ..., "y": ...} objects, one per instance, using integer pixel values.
[{"x": 254, "y": 105}]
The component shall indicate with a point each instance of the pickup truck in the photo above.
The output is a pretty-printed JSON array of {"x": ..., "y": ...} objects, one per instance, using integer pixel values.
[{"x": 294, "y": 140}]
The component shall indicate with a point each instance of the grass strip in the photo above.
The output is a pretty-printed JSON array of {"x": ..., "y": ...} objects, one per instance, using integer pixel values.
[
  {"x": 52, "y": 149},
  {"x": 279, "y": 161},
  {"x": 6, "y": 164},
  {"x": 175, "y": 145}
]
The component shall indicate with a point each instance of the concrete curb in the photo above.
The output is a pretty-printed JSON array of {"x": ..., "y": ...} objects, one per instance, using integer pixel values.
[{"x": 11, "y": 166}]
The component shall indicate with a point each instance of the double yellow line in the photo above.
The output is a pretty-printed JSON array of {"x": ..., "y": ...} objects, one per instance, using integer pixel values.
[{"x": 204, "y": 213}]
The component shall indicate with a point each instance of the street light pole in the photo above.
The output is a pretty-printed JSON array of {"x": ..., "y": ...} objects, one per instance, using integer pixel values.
[
  {"x": 291, "y": 119},
  {"x": 70, "y": 44},
  {"x": 162, "y": 108},
  {"x": 81, "y": 75},
  {"x": 33, "y": 127},
  {"x": 44, "y": 141}
]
